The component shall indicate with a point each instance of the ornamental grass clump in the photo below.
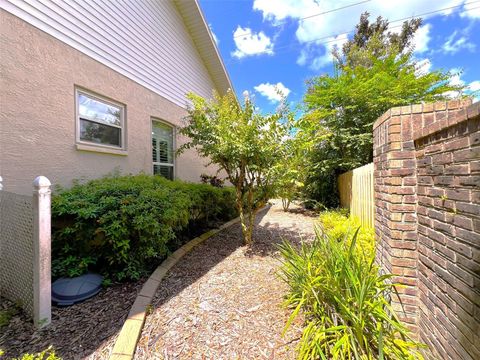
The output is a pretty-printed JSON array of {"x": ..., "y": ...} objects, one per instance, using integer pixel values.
[{"x": 345, "y": 302}]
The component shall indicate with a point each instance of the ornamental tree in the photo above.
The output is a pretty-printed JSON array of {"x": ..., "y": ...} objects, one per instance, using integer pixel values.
[
  {"x": 244, "y": 144},
  {"x": 290, "y": 173}
]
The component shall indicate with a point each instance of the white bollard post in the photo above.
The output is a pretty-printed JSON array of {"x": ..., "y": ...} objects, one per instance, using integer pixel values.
[
  {"x": 1, "y": 185},
  {"x": 42, "y": 287}
]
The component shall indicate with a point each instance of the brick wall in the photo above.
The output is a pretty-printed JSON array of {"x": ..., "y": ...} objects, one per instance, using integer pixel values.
[{"x": 427, "y": 197}]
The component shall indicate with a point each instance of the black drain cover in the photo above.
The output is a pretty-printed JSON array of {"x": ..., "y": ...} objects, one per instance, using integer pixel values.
[{"x": 68, "y": 291}]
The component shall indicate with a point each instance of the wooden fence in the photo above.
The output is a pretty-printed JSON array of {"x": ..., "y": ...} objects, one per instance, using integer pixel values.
[{"x": 356, "y": 193}]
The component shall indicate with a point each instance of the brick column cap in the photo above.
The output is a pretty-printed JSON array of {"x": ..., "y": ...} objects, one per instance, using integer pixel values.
[{"x": 428, "y": 108}]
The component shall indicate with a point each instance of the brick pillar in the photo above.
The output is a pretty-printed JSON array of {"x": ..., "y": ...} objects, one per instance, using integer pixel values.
[{"x": 395, "y": 204}]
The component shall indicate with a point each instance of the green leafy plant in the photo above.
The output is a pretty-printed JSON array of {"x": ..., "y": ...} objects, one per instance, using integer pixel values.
[
  {"x": 71, "y": 265},
  {"x": 289, "y": 173},
  {"x": 337, "y": 225},
  {"x": 122, "y": 226},
  {"x": 345, "y": 302},
  {"x": 47, "y": 354},
  {"x": 241, "y": 142}
]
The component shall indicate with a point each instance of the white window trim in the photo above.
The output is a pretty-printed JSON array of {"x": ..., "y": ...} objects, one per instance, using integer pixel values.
[
  {"x": 174, "y": 134},
  {"x": 96, "y": 147}
]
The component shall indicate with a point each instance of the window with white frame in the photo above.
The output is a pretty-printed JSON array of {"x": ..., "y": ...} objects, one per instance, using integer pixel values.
[
  {"x": 99, "y": 120},
  {"x": 163, "y": 155}
]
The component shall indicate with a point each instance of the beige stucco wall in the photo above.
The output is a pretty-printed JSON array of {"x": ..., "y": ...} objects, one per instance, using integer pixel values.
[{"x": 37, "y": 113}]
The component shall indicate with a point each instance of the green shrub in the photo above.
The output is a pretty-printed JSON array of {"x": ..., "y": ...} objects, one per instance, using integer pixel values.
[
  {"x": 123, "y": 226},
  {"x": 345, "y": 302},
  {"x": 337, "y": 225}
]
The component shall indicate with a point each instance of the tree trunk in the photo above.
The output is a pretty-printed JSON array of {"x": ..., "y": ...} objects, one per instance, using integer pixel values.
[
  {"x": 285, "y": 204},
  {"x": 251, "y": 226},
  {"x": 239, "y": 200},
  {"x": 251, "y": 218},
  {"x": 247, "y": 213},
  {"x": 241, "y": 214}
]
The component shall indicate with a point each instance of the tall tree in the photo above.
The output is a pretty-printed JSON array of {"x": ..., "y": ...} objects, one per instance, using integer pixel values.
[
  {"x": 375, "y": 39},
  {"x": 241, "y": 142},
  {"x": 374, "y": 71}
]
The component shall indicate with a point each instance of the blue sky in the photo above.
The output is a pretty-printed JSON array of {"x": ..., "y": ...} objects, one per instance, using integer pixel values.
[{"x": 269, "y": 44}]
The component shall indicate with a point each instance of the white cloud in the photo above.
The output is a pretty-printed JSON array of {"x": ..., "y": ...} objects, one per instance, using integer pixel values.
[
  {"x": 310, "y": 54},
  {"x": 423, "y": 67},
  {"x": 456, "y": 43},
  {"x": 474, "y": 85},
  {"x": 322, "y": 28},
  {"x": 282, "y": 9},
  {"x": 215, "y": 38},
  {"x": 455, "y": 80},
  {"x": 472, "y": 88},
  {"x": 471, "y": 10},
  {"x": 273, "y": 92},
  {"x": 421, "y": 39},
  {"x": 336, "y": 22},
  {"x": 249, "y": 43}
]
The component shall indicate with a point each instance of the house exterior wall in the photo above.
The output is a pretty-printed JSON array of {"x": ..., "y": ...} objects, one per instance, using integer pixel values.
[
  {"x": 427, "y": 196},
  {"x": 39, "y": 74},
  {"x": 146, "y": 41}
]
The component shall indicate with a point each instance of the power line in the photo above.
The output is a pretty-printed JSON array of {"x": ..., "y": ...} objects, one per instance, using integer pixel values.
[
  {"x": 330, "y": 11},
  {"x": 348, "y": 32},
  {"x": 311, "y": 16}
]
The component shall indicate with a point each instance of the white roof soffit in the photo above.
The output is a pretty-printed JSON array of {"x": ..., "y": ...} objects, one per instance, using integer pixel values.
[{"x": 203, "y": 39}]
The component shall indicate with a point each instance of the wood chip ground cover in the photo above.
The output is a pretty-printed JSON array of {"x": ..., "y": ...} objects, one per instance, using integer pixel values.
[
  {"x": 83, "y": 331},
  {"x": 224, "y": 301},
  {"x": 221, "y": 301}
]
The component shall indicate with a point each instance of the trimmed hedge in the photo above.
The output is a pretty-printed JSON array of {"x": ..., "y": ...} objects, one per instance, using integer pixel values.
[{"x": 124, "y": 226}]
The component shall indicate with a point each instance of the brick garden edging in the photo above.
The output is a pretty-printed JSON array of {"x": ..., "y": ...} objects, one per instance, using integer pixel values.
[{"x": 127, "y": 340}]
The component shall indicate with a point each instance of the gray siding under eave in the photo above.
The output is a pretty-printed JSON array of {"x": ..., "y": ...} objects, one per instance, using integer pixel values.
[{"x": 146, "y": 41}]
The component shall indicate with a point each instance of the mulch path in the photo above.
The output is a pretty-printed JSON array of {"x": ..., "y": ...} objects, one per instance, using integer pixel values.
[
  {"x": 85, "y": 330},
  {"x": 224, "y": 300}
]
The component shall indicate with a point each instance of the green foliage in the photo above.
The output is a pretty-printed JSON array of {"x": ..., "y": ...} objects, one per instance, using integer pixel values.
[
  {"x": 289, "y": 173},
  {"x": 241, "y": 142},
  {"x": 338, "y": 226},
  {"x": 375, "y": 72},
  {"x": 358, "y": 50},
  {"x": 123, "y": 226},
  {"x": 345, "y": 301},
  {"x": 47, "y": 354},
  {"x": 71, "y": 265}
]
